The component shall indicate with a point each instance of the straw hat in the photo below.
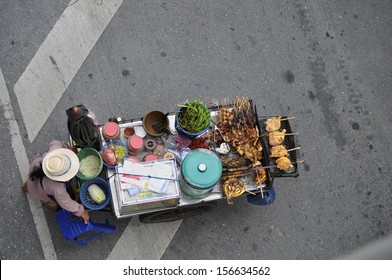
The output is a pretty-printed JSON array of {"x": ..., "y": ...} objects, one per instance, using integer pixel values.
[{"x": 60, "y": 165}]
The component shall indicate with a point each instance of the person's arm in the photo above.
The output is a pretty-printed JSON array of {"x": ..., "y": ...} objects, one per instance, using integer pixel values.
[
  {"x": 57, "y": 144},
  {"x": 68, "y": 204}
]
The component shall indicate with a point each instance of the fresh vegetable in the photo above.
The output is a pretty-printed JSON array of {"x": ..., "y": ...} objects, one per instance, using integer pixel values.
[
  {"x": 113, "y": 154},
  {"x": 90, "y": 166},
  {"x": 120, "y": 153},
  {"x": 96, "y": 193},
  {"x": 193, "y": 116}
]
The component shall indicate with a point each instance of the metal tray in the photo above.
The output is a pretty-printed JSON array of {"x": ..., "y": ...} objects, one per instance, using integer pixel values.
[
  {"x": 289, "y": 142},
  {"x": 268, "y": 184}
]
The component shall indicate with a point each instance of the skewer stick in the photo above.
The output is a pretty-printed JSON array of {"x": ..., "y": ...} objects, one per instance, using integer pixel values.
[
  {"x": 293, "y": 149},
  {"x": 288, "y": 118},
  {"x": 267, "y": 133},
  {"x": 262, "y": 193},
  {"x": 250, "y": 192},
  {"x": 284, "y": 119},
  {"x": 289, "y": 150},
  {"x": 271, "y": 166}
]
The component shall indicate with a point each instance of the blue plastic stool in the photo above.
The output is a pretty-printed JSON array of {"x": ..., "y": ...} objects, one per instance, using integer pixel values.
[
  {"x": 73, "y": 226},
  {"x": 269, "y": 198}
]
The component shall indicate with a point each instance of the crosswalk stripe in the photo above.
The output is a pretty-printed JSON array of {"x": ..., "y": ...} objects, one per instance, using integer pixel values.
[
  {"x": 58, "y": 59},
  {"x": 38, "y": 91},
  {"x": 23, "y": 164},
  {"x": 144, "y": 241}
]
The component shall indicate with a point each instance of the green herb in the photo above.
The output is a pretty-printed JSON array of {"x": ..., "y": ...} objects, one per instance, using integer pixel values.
[{"x": 193, "y": 116}]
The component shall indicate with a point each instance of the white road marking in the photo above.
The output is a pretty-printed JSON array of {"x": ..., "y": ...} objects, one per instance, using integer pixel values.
[
  {"x": 38, "y": 91},
  {"x": 23, "y": 164},
  {"x": 58, "y": 59},
  {"x": 144, "y": 241}
]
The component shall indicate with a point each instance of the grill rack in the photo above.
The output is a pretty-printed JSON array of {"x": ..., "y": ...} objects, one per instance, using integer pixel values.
[
  {"x": 290, "y": 142},
  {"x": 265, "y": 152}
]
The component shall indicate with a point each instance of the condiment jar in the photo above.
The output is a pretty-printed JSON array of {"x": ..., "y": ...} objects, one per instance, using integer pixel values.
[
  {"x": 117, "y": 120},
  {"x": 150, "y": 157},
  {"x": 135, "y": 144},
  {"x": 111, "y": 131},
  {"x": 129, "y": 131},
  {"x": 150, "y": 144}
]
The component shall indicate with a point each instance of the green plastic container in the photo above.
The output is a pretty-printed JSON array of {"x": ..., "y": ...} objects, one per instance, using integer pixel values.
[
  {"x": 85, "y": 153},
  {"x": 201, "y": 170}
]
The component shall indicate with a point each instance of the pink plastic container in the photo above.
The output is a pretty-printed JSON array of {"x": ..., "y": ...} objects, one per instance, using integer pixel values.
[{"x": 135, "y": 144}]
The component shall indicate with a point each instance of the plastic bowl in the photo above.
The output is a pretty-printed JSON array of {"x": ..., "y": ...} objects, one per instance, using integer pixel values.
[
  {"x": 82, "y": 155},
  {"x": 183, "y": 132},
  {"x": 117, "y": 143},
  {"x": 87, "y": 200},
  {"x": 129, "y": 131},
  {"x": 155, "y": 117}
]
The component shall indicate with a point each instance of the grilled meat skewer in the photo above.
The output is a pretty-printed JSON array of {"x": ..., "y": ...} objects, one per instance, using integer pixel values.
[
  {"x": 277, "y": 137},
  {"x": 272, "y": 124},
  {"x": 284, "y": 163},
  {"x": 281, "y": 151}
]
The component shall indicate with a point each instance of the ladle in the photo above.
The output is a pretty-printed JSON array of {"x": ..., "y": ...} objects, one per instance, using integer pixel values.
[
  {"x": 224, "y": 147},
  {"x": 158, "y": 126}
]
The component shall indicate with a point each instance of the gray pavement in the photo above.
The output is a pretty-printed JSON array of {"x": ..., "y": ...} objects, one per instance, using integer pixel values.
[{"x": 328, "y": 63}]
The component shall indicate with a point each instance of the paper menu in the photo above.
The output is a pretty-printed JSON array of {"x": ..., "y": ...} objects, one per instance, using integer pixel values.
[
  {"x": 159, "y": 170},
  {"x": 155, "y": 173},
  {"x": 135, "y": 168}
]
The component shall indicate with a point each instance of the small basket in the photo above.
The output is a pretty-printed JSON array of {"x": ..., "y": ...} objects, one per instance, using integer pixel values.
[
  {"x": 85, "y": 153},
  {"x": 116, "y": 143},
  {"x": 85, "y": 198}
]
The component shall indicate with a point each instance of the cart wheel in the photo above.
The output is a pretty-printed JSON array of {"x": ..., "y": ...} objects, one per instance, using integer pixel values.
[{"x": 175, "y": 214}]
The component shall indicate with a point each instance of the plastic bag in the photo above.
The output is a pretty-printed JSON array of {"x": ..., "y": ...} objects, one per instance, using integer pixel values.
[{"x": 83, "y": 127}]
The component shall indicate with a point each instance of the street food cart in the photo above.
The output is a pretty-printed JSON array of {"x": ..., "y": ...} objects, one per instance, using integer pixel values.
[{"x": 166, "y": 179}]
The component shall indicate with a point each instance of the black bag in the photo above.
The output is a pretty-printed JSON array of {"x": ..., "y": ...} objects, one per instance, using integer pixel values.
[{"x": 82, "y": 128}]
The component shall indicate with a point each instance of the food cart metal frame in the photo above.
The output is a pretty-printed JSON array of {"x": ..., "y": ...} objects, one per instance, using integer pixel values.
[{"x": 187, "y": 206}]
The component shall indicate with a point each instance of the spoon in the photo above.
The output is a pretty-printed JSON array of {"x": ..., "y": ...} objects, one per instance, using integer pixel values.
[{"x": 224, "y": 147}]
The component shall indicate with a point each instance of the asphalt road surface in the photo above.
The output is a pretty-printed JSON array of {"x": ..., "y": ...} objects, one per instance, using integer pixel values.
[{"x": 327, "y": 63}]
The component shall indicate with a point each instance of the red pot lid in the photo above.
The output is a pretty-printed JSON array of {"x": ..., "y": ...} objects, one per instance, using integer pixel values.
[
  {"x": 150, "y": 157},
  {"x": 135, "y": 142},
  {"x": 111, "y": 129},
  {"x": 133, "y": 159}
]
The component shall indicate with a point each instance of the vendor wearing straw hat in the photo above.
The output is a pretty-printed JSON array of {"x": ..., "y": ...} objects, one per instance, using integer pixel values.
[{"x": 48, "y": 175}]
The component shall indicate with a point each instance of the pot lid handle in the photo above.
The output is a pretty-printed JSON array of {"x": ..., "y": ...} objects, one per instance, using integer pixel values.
[{"x": 202, "y": 167}]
